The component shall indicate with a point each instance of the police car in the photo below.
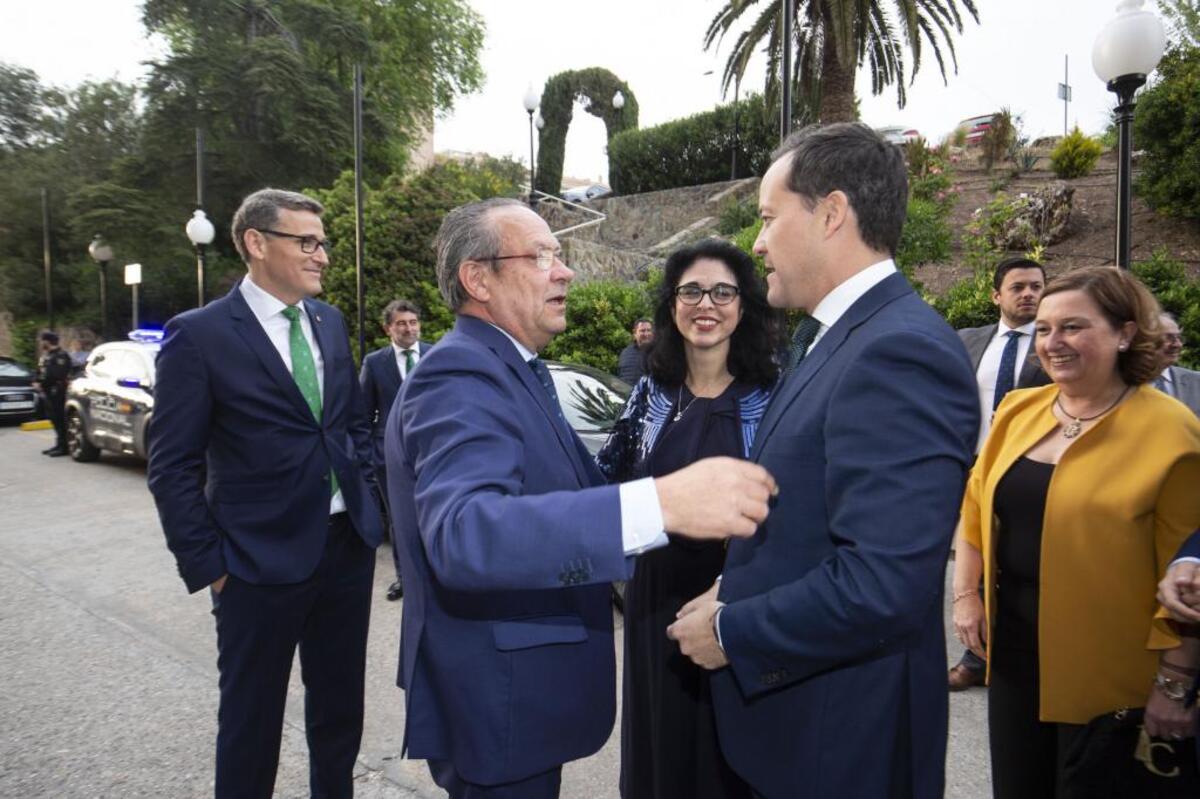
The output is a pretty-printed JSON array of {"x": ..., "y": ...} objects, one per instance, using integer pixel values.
[{"x": 109, "y": 406}]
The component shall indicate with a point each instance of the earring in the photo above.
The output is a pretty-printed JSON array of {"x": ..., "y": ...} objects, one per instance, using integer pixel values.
[{"x": 1122, "y": 347}]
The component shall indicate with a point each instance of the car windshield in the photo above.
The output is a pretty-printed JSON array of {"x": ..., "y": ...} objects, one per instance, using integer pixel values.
[
  {"x": 591, "y": 400},
  {"x": 10, "y": 369}
]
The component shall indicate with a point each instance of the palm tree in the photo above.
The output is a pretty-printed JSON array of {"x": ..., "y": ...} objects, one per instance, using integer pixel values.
[{"x": 832, "y": 38}]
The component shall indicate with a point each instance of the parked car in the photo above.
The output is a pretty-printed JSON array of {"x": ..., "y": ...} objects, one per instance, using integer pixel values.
[
  {"x": 581, "y": 194},
  {"x": 110, "y": 405},
  {"x": 591, "y": 400},
  {"x": 18, "y": 400},
  {"x": 975, "y": 127},
  {"x": 898, "y": 134}
]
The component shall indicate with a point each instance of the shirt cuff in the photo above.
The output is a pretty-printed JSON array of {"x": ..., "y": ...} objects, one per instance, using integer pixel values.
[
  {"x": 1188, "y": 559},
  {"x": 641, "y": 517},
  {"x": 717, "y": 628}
]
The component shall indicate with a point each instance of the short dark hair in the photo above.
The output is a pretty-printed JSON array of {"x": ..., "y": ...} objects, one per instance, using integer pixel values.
[
  {"x": 851, "y": 158},
  {"x": 754, "y": 342},
  {"x": 1016, "y": 262},
  {"x": 399, "y": 306},
  {"x": 1121, "y": 298},
  {"x": 641, "y": 320},
  {"x": 261, "y": 210},
  {"x": 49, "y": 336}
]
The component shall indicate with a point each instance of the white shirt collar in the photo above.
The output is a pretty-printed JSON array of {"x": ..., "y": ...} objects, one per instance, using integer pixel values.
[
  {"x": 837, "y": 302},
  {"x": 526, "y": 355},
  {"x": 1167, "y": 376},
  {"x": 415, "y": 348},
  {"x": 1002, "y": 328},
  {"x": 262, "y": 303}
]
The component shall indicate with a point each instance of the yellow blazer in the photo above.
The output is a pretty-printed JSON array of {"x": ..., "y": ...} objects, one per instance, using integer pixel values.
[{"x": 1122, "y": 499}]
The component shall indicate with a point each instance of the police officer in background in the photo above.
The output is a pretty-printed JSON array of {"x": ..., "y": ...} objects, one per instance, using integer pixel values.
[{"x": 54, "y": 370}]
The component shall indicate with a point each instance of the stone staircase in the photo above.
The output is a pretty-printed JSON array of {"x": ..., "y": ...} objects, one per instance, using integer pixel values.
[{"x": 640, "y": 230}]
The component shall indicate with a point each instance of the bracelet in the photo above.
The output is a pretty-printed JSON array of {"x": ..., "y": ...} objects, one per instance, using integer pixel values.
[
  {"x": 964, "y": 594},
  {"x": 1184, "y": 670}
]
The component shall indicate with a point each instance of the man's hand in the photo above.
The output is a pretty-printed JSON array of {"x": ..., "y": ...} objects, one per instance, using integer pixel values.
[
  {"x": 219, "y": 585},
  {"x": 695, "y": 634},
  {"x": 1179, "y": 591},
  {"x": 715, "y": 498}
]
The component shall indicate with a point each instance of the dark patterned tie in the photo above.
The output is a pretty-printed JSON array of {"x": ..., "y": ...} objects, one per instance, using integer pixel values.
[
  {"x": 543, "y": 375},
  {"x": 304, "y": 372},
  {"x": 802, "y": 339},
  {"x": 1161, "y": 384},
  {"x": 1005, "y": 380},
  {"x": 409, "y": 363}
]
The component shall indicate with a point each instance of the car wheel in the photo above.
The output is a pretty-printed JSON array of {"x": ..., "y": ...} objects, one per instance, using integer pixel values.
[{"x": 78, "y": 445}]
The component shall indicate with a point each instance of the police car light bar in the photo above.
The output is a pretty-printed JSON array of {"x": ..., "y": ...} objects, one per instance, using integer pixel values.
[{"x": 146, "y": 335}]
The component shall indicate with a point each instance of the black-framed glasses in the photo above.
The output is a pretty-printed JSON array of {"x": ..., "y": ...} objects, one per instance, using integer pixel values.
[
  {"x": 308, "y": 244},
  {"x": 720, "y": 294},
  {"x": 544, "y": 257}
]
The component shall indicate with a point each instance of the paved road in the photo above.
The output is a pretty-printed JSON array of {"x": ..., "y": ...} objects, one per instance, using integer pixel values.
[{"x": 109, "y": 667}]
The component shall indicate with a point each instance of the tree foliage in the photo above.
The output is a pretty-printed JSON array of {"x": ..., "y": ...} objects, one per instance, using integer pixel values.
[
  {"x": 833, "y": 38},
  {"x": 1075, "y": 155},
  {"x": 595, "y": 87},
  {"x": 1167, "y": 127}
]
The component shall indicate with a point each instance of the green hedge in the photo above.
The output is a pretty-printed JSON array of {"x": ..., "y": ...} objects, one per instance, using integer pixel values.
[
  {"x": 1167, "y": 127},
  {"x": 694, "y": 150}
]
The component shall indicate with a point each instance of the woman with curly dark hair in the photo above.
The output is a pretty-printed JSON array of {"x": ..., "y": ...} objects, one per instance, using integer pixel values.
[
  {"x": 1082, "y": 492},
  {"x": 709, "y": 377}
]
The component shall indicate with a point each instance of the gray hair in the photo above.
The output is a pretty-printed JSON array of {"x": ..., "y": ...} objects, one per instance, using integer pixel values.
[
  {"x": 467, "y": 233},
  {"x": 399, "y": 306},
  {"x": 261, "y": 210}
]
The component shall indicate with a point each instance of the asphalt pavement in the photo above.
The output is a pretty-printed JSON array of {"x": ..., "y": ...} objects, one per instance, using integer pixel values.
[{"x": 108, "y": 680}]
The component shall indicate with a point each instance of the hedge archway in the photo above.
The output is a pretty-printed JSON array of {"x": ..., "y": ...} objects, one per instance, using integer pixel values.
[{"x": 596, "y": 86}]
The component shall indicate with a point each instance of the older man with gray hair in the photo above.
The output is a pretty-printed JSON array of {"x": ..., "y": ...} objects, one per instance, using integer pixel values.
[
  {"x": 260, "y": 465},
  {"x": 506, "y": 534}
]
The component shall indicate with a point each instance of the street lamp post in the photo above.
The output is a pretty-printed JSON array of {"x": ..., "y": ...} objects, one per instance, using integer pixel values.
[
  {"x": 1127, "y": 49},
  {"x": 133, "y": 279},
  {"x": 102, "y": 253},
  {"x": 201, "y": 233},
  {"x": 530, "y": 101},
  {"x": 737, "y": 86}
]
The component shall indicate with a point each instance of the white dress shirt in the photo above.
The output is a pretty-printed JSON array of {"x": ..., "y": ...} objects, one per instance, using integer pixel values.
[
  {"x": 989, "y": 370},
  {"x": 1168, "y": 379},
  {"x": 835, "y": 304},
  {"x": 641, "y": 514},
  {"x": 268, "y": 310},
  {"x": 402, "y": 359}
]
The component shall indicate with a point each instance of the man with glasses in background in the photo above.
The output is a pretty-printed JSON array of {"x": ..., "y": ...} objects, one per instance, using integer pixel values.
[
  {"x": 506, "y": 534},
  {"x": 260, "y": 465},
  {"x": 1176, "y": 381}
]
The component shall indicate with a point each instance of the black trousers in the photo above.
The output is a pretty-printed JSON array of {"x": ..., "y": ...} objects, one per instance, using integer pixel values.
[
  {"x": 539, "y": 786},
  {"x": 56, "y": 412},
  {"x": 1027, "y": 754},
  {"x": 258, "y": 630}
]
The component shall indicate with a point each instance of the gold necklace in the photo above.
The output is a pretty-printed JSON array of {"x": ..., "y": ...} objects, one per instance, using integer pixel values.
[{"x": 1076, "y": 426}]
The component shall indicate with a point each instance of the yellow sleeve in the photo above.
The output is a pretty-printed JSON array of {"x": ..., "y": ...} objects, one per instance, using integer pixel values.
[
  {"x": 970, "y": 525},
  {"x": 1176, "y": 516}
]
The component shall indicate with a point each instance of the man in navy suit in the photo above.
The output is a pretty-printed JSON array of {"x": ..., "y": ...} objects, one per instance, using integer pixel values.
[
  {"x": 260, "y": 465},
  {"x": 507, "y": 537},
  {"x": 825, "y": 631},
  {"x": 382, "y": 373}
]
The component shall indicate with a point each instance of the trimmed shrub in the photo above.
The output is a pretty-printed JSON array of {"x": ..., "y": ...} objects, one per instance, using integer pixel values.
[
  {"x": 599, "y": 316},
  {"x": 1167, "y": 127},
  {"x": 1075, "y": 155},
  {"x": 926, "y": 235},
  {"x": 736, "y": 215},
  {"x": 595, "y": 86},
  {"x": 1178, "y": 294},
  {"x": 696, "y": 149},
  {"x": 968, "y": 303}
]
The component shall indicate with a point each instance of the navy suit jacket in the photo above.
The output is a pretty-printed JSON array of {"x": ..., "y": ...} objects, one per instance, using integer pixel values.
[
  {"x": 1191, "y": 549},
  {"x": 507, "y": 539},
  {"x": 380, "y": 381},
  {"x": 833, "y": 623},
  {"x": 239, "y": 468}
]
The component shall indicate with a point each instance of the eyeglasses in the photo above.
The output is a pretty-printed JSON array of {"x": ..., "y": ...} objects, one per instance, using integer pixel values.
[
  {"x": 1173, "y": 337},
  {"x": 308, "y": 244},
  {"x": 544, "y": 257},
  {"x": 720, "y": 294}
]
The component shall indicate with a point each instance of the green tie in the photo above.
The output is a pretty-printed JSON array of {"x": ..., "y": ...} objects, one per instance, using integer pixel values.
[
  {"x": 408, "y": 362},
  {"x": 304, "y": 371}
]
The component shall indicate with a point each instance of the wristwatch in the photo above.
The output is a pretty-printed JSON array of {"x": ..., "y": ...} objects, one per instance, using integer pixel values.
[{"x": 1175, "y": 690}]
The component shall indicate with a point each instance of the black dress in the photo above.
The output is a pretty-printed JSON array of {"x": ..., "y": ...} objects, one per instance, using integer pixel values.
[{"x": 669, "y": 742}]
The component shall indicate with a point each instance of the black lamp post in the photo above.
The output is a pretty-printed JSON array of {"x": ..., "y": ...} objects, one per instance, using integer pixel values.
[
  {"x": 1127, "y": 49},
  {"x": 201, "y": 233},
  {"x": 102, "y": 253},
  {"x": 530, "y": 101}
]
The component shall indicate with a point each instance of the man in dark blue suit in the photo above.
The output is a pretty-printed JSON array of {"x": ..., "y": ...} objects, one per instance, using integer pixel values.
[
  {"x": 260, "y": 465},
  {"x": 382, "y": 373},
  {"x": 826, "y": 626},
  {"x": 507, "y": 538}
]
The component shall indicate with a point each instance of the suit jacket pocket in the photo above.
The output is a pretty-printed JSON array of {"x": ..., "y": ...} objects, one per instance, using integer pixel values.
[{"x": 538, "y": 631}]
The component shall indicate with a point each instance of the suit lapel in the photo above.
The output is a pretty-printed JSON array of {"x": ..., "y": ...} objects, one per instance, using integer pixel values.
[
  {"x": 256, "y": 339},
  {"x": 1029, "y": 369},
  {"x": 980, "y": 344},
  {"x": 864, "y": 307}
]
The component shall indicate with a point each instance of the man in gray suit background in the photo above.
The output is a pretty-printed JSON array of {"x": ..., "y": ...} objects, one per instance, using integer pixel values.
[
  {"x": 1004, "y": 359},
  {"x": 1180, "y": 383}
]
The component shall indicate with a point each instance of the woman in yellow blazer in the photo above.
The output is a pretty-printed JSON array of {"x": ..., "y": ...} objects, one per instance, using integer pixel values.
[{"x": 1081, "y": 495}]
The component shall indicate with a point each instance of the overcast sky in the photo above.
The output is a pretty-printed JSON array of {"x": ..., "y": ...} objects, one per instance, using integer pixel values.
[{"x": 1013, "y": 58}]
